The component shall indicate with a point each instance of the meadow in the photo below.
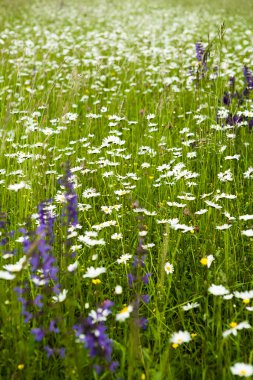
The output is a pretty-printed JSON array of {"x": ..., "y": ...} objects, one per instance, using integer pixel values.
[{"x": 126, "y": 170}]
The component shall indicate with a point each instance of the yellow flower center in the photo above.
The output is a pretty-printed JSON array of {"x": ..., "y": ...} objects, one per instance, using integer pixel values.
[
  {"x": 124, "y": 310},
  {"x": 21, "y": 366},
  {"x": 233, "y": 324},
  {"x": 96, "y": 281},
  {"x": 204, "y": 261},
  {"x": 246, "y": 301},
  {"x": 243, "y": 372},
  {"x": 193, "y": 335},
  {"x": 175, "y": 345}
]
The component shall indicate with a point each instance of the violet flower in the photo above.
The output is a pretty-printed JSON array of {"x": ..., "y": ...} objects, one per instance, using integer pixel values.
[
  {"x": 51, "y": 351},
  {"x": 38, "y": 334}
]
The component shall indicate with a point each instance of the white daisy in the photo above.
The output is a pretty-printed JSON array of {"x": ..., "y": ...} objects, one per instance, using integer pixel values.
[
  {"x": 169, "y": 269},
  {"x": 225, "y": 176},
  {"x": 242, "y": 369},
  {"x": 248, "y": 233},
  {"x": 61, "y": 296},
  {"x": 228, "y": 296},
  {"x": 124, "y": 313},
  {"x": 118, "y": 289},
  {"x": 73, "y": 267},
  {"x": 116, "y": 236},
  {"x": 223, "y": 227},
  {"x": 247, "y": 295},
  {"x": 180, "y": 337},
  {"x": 248, "y": 173},
  {"x": 19, "y": 186},
  {"x": 200, "y": 212},
  {"x": 90, "y": 193},
  {"x": 245, "y": 217},
  {"x": 94, "y": 272},
  {"x": 124, "y": 258},
  {"x": 235, "y": 157},
  {"x": 190, "y": 306},
  {"x": 20, "y": 264},
  {"x": 6, "y": 275},
  {"x": 176, "y": 204},
  {"x": 212, "y": 204},
  {"x": 234, "y": 327},
  {"x": 218, "y": 290}
]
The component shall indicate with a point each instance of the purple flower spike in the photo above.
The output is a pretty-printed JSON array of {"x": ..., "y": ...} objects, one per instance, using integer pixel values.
[
  {"x": 199, "y": 51},
  {"x": 92, "y": 333}
]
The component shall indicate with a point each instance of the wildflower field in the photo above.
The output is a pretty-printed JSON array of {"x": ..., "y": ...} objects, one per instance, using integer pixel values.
[{"x": 126, "y": 189}]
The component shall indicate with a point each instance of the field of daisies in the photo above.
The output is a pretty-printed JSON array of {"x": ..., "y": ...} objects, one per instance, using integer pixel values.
[{"x": 126, "y": 189}]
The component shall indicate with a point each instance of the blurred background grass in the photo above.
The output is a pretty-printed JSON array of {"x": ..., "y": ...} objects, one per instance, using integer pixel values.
[{"x": 20, "y": 8}]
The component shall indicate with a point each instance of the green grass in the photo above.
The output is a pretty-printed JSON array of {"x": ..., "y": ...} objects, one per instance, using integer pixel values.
[{"x": 114, "y": 92}]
